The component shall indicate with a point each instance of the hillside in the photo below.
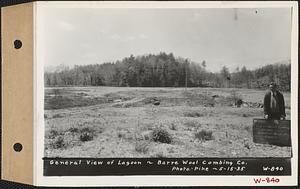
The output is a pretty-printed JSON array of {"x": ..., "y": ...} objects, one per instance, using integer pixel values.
[{"x": 166, "y": 70}]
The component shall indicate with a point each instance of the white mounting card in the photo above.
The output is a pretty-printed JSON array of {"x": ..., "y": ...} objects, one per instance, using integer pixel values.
[{"x": 173, "y": 93}]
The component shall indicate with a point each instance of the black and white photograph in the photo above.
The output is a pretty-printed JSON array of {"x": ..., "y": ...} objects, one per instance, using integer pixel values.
[
  {"x": 150, "y": 93},
  {"x": 167, "y": 89},
  {"x": 165, "y": 82}
]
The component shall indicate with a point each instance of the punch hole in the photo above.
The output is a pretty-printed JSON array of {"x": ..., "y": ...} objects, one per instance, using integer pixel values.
[
  {"x": 18, "y": 44},
  {"x": 18, "y": 147}
]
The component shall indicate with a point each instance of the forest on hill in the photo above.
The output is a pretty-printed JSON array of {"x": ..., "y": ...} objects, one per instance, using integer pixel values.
[{"x": 166, "y": 70}]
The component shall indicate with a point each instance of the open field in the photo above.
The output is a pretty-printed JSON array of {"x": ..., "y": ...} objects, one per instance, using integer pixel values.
[{"x": 124, "y": 122}]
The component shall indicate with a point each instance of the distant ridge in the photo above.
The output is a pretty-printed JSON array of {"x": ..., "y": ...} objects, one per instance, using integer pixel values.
[{"x": 166, "y": 70}]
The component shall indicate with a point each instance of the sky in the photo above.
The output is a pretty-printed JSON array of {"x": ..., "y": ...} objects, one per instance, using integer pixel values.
[{"x": 232, "y": 37}]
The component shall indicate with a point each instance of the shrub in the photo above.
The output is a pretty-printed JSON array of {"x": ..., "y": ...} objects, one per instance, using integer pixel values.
[
  {"x": 161, "y": 135},
  {"x": 58, "y": 142},
  {"x": 204, "y": 135},
  {"x": 235, "y": 98},
  {"x": 73, "y": 130},
  {"x": 86, "y": 134},
  {"x": 52, "y": 134},
  {"x": 86, "y": 137}
]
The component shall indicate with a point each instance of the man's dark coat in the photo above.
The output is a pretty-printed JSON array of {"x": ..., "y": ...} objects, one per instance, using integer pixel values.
[{"x": 267, "y": 100}]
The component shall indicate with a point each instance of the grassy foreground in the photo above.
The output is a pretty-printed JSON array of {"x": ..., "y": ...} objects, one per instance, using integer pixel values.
[{"x": 124, "y": 122}]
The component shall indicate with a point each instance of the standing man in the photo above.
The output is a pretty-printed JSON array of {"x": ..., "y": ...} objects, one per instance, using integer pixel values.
[{"x": 274, "y": 103}]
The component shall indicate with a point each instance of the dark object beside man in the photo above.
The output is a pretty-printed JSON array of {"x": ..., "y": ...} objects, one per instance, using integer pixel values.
[{"x": 274, "y": 107}]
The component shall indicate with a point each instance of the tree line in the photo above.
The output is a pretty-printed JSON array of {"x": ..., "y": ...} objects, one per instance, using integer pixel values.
[{"x": 166, "y": 70}]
